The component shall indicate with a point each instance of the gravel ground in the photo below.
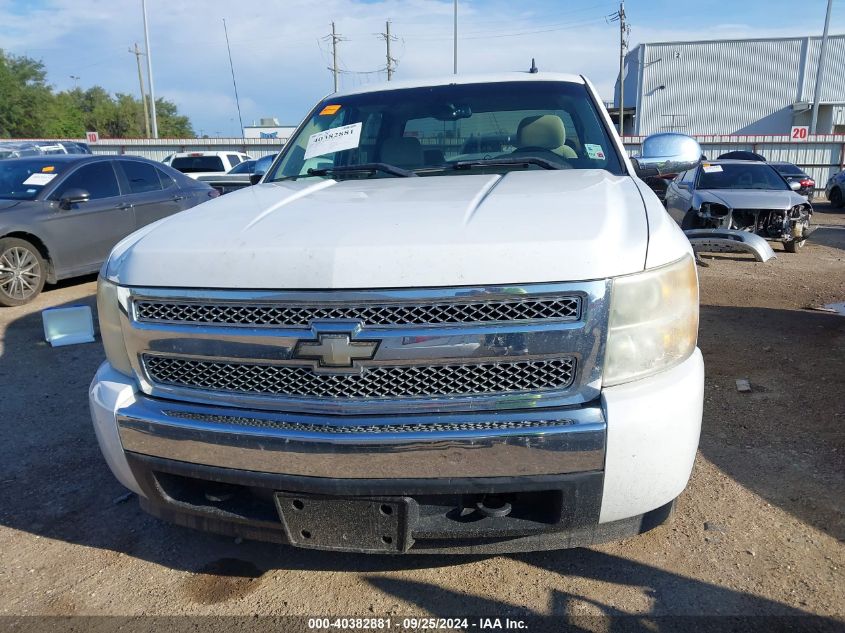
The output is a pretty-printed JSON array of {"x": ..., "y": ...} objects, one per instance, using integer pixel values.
[{"x": 759, "y": 531}]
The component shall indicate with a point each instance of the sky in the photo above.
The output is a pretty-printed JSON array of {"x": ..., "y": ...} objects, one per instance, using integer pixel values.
[{"x": 281, "y": 52}]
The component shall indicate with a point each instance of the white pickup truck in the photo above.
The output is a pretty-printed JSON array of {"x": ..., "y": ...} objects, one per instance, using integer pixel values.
[{"x": 383, "y": 348}]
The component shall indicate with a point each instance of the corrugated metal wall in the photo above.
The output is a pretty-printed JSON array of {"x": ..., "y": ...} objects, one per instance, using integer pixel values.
[{"x": 730, "y": 86}]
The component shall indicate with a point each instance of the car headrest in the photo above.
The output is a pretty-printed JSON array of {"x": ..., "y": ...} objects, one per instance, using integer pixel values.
[
  {"x": 545, "y": 131},
  {"x": 402, "y": 152}
]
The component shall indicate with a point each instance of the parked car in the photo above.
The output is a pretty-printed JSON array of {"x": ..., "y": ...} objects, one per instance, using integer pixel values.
[
  {"x": 196, "y": 164},
  {"x": 61, "y": 215},
  {"x": 793, "y": 173},
  {"x": 239, "y": 176},
  {"x": 20, "y": 149},
  {"x": 834, "y": 191},
  {"x": 367, "y": 352},
  {"x": 742, "y": 155},
  {"x": 741, "y": 196}
]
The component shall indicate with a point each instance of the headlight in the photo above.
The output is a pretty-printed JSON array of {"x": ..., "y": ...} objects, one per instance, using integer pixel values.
[
  {"x": 108, "y": 312},
  {"x": 653, "y": 321}
]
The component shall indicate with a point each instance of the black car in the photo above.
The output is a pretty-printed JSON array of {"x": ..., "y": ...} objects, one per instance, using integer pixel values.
[
  {"x": 61, "y": 215},
  {"x": 793, "y": 173}
]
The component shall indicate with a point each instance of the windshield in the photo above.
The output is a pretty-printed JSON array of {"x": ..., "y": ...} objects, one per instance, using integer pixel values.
[
  {"x": 428, "y": 130},
  {"x": 245, "y": 167},
  {"x": 740, "y": 176},
  {"x": 194, "y": 164},
  {"x": 24, "y": 178}
]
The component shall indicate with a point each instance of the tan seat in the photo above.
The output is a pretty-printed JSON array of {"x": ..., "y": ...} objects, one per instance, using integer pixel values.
[
  {"x": 543, "y": 131},
  {"x": 404, "y": 152}
]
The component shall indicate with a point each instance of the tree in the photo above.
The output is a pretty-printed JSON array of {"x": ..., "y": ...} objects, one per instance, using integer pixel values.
[
  {"x": 30, "y": 108},
  {"x": 24, "y": 94}
]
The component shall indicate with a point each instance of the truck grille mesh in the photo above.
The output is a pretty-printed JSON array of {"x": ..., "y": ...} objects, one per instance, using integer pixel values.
[
  {"x": 376, "y": 382},
  {"x": 287, "y": 315},
  {"x": 349, "y": 429}
]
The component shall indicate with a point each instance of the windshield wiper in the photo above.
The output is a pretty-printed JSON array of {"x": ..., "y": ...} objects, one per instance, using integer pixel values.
[
  {"x": 509, "y": 160},
  {"x": 351, "y": 169}
]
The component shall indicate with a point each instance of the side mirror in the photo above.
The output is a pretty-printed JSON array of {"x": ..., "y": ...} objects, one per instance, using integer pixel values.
[
  {"x": 73, "y": 196},
  {"x": 254, "y": 179},
  {"x": 794, "y": 185},
  {"x": 667, "y": 153}
]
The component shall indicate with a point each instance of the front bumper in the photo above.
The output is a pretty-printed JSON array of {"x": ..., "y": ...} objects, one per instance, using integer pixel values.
[{"x": 584, "y": 474}]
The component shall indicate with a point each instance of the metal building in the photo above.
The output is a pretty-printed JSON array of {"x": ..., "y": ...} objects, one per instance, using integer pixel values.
[{"x": 751, "y": 87}]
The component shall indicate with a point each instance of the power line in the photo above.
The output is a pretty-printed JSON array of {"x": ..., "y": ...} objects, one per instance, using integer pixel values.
[{"x": 234, "y": 83}]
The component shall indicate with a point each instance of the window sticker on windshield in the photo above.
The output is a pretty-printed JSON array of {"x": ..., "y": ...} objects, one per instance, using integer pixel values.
[
  {"x": 334, "y": 140},
  {"x": 711, "y": 169},
  {"x": 329, "y": 109},
  {"x": 48, "y": 169},
  {"x": 39, "y": 179},
  {"x": 594, "y": 151}
]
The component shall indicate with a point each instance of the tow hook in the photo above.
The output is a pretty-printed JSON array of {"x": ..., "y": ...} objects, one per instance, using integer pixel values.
[{"x": 493, "y": 506}]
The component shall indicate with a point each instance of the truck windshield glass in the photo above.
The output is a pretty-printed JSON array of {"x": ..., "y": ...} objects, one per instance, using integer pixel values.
[
  {"x": 24, "y": 178},
  {"x": 428, "y": 130},
  {"x": 745, "y": 175}
]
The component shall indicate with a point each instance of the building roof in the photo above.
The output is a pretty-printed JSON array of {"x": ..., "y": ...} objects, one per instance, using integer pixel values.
[{"x": 739, "y": 39}]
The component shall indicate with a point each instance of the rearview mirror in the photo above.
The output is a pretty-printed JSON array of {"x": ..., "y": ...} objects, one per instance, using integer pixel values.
[
  {"x": 254, "y": 179},
  {"x": 73, "y": 196},
  {"x": 794, "y": 185},
  {"x": 667, "y": 153}
]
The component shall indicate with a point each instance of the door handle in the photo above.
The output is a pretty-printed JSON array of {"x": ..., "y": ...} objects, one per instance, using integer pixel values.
[
  {"x": 177, "y": 198},
  {"x": 125, "y": 205}
]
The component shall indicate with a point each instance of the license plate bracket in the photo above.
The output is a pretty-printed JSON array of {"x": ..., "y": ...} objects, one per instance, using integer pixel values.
[{"x": 353, "y": 524}]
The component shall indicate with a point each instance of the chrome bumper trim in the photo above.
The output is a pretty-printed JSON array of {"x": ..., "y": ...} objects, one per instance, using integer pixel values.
[
  {"x": 493, "y": 444},
  {"x": 582, "y": 340}
]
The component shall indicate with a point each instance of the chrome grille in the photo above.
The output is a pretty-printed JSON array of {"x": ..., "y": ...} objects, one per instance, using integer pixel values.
[
  {"x": 344, "y": 429},
  {"x": 376, "y": 382},
  {"x": 567, "y": 308}
]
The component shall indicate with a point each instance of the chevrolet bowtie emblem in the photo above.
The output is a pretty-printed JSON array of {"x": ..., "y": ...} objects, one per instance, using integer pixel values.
[{"x": 335, "y": 350}]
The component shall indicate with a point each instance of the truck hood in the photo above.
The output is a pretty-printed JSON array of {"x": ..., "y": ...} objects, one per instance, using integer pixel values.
[
  {"x": 751, "y": 198},
  {"x": 525, "y": 226}
]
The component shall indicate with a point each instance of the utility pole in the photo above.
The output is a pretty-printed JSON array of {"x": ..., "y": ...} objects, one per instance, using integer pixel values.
[
  {"x": 820, "y": 70},
  {"x": 153, "y": 120},
  {"x": 624, "y": 33},
  {"x": 455, "y": 38},
  {"x": 335, "y": 40},
  {"x": 234, "y": 83},
  {"x": 137, "y": 52},
  {"x": 391, "y": 61}
]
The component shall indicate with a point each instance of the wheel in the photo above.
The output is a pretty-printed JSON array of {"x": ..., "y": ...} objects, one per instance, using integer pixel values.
[
  {"x": 836, "y": 198},
  {"x": 22, "y": 272},
  {"x": 792, "y": 246}
]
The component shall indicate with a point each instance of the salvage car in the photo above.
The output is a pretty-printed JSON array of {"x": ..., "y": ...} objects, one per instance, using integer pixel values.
[
  {"x": 61, "y": 215},
  {"x": 746, "y": 197},
  {"x": 382, "y": 349}
]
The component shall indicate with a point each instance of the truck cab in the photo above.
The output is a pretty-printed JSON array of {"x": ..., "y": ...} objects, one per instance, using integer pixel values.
[{"x": 388, "y": 346}]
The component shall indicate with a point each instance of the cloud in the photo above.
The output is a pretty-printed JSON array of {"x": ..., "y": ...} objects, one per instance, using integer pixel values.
[{"x": 281, "y": 52}]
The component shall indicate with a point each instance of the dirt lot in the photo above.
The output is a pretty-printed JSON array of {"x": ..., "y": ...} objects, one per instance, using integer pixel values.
[{"x": 759, "y": 530}]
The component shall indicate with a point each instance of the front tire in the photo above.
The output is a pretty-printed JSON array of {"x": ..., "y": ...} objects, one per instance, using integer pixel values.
[
  {"x": 22, "y": 272},
  {"x": 836, "y": 198}
]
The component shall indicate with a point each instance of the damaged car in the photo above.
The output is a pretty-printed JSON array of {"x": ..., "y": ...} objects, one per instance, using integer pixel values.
[{"x": 735, "y": 205}]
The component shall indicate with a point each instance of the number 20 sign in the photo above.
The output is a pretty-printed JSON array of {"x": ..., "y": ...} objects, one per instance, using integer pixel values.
[{"x": 799, "y": 133}]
